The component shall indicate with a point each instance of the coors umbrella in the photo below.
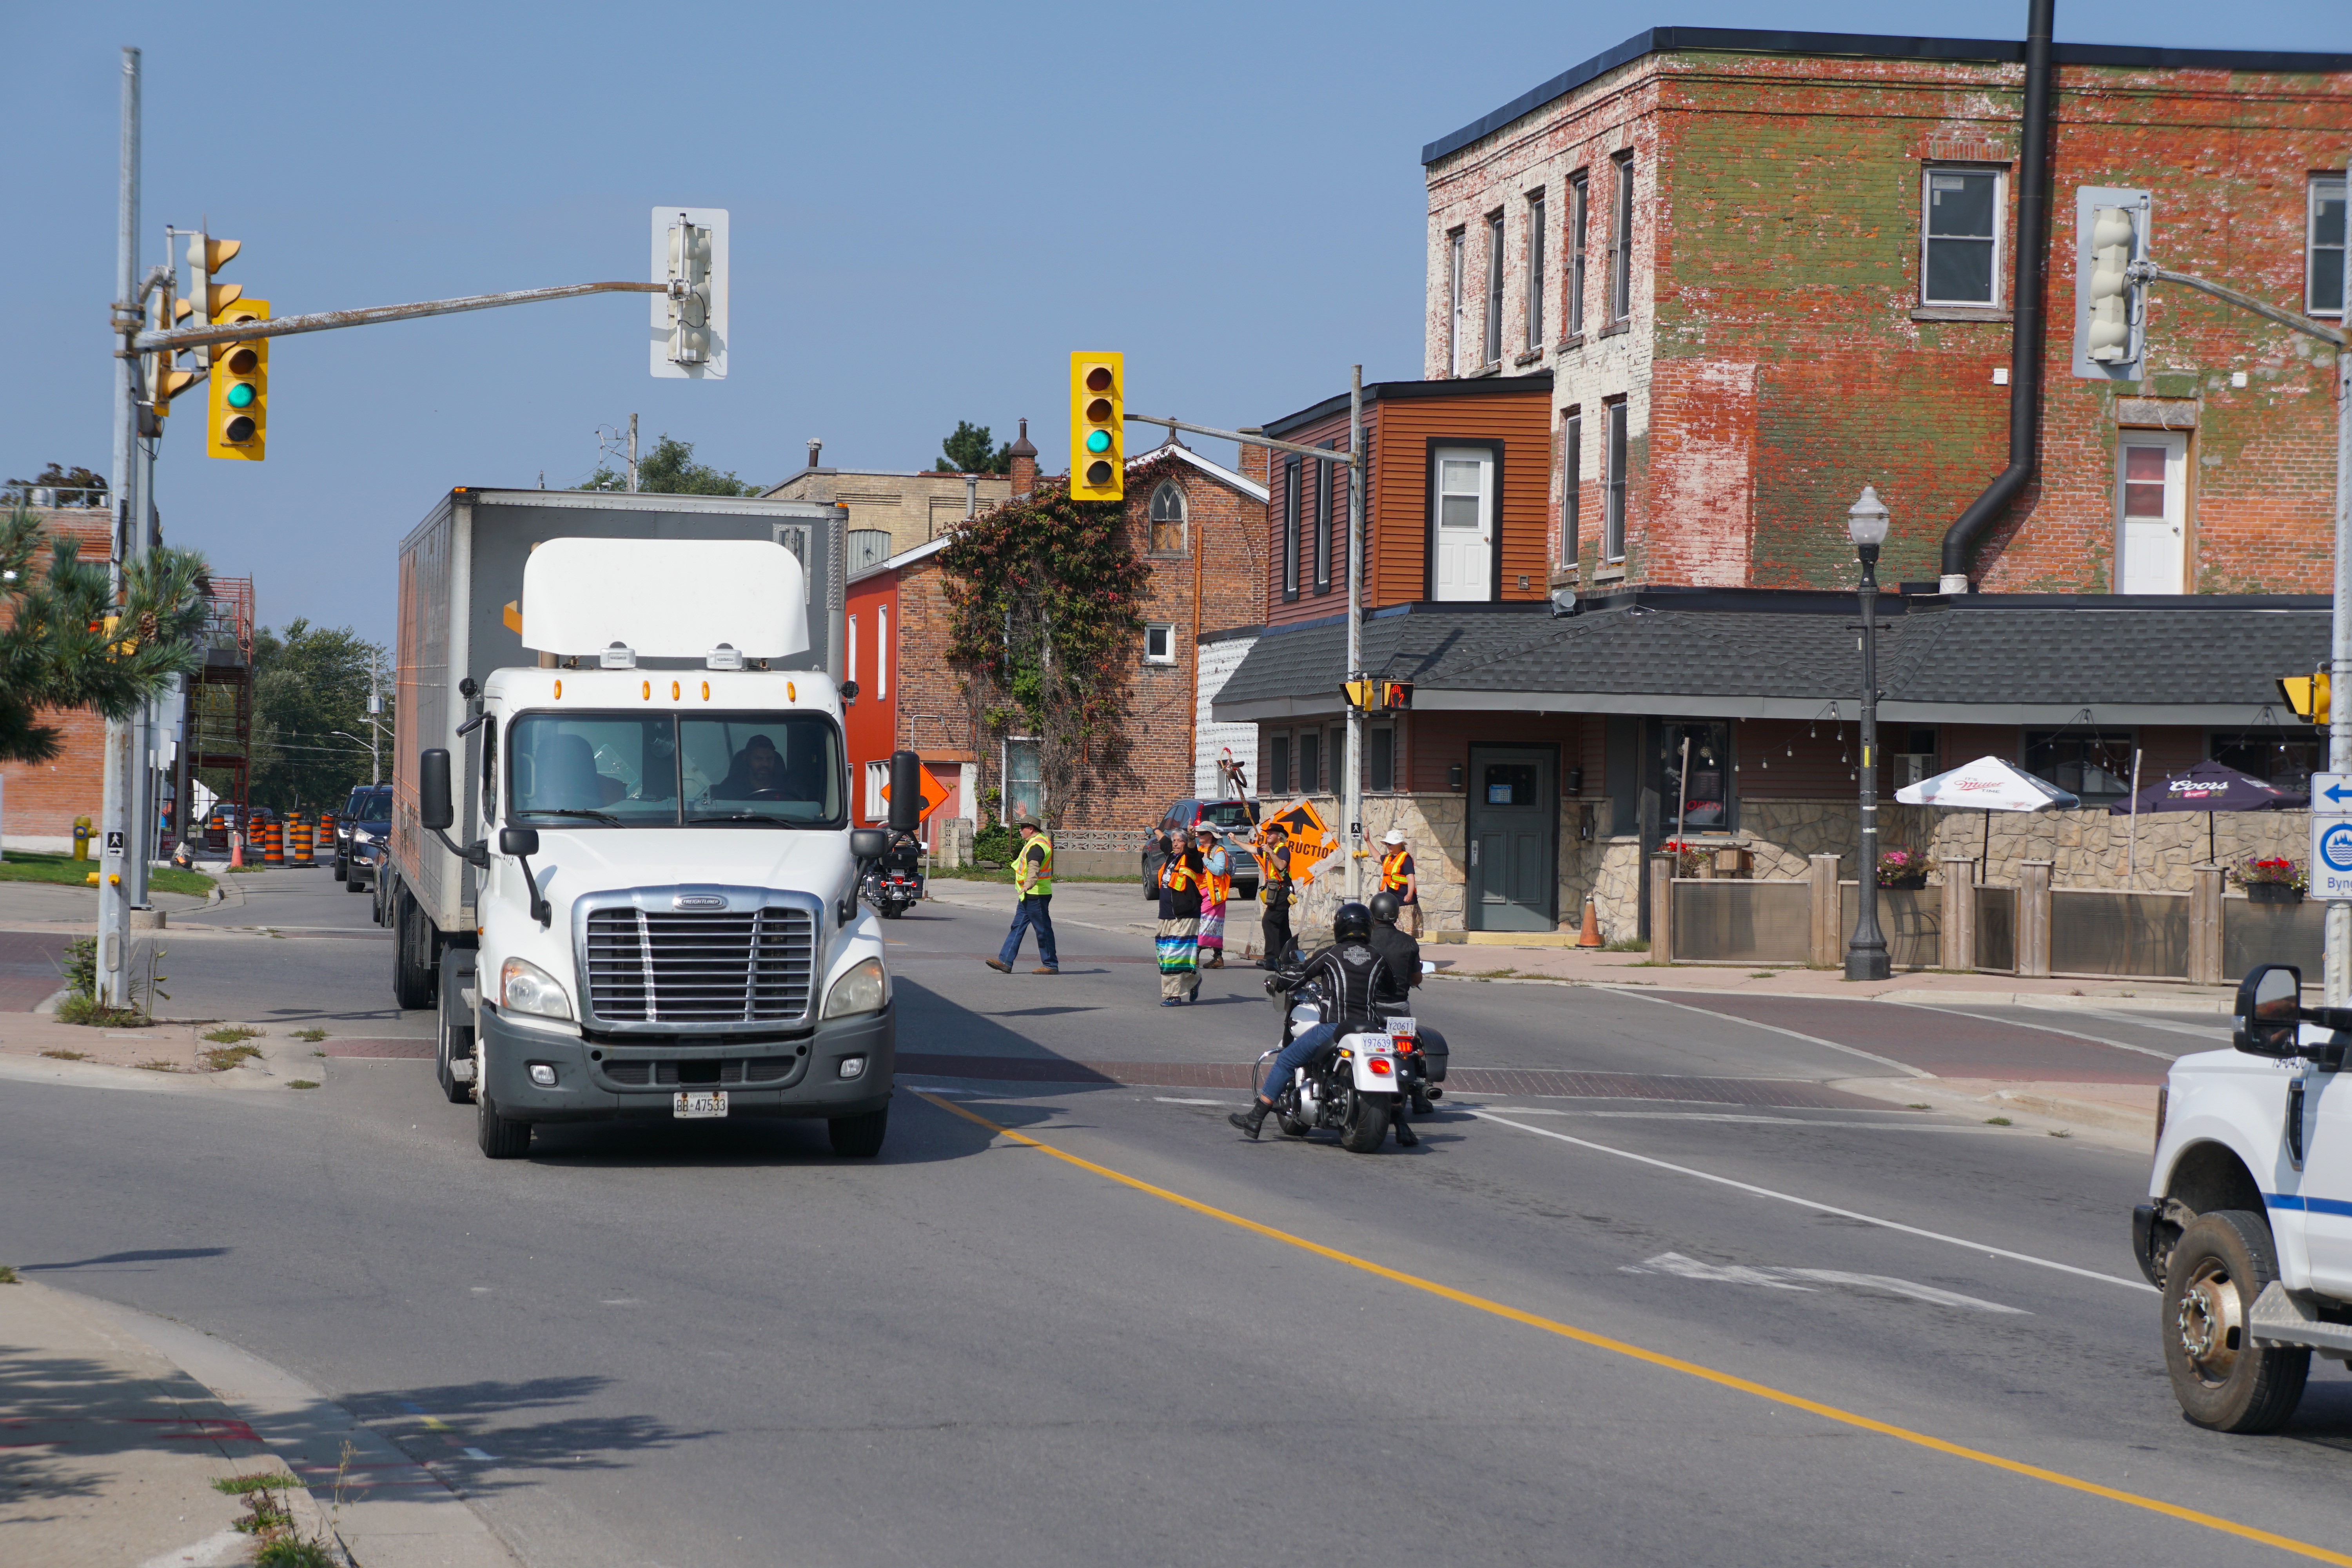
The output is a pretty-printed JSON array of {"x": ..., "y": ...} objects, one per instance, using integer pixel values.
[
  {"x": 1988, "y": 784},
  {"x": 2208, "y": 787}
]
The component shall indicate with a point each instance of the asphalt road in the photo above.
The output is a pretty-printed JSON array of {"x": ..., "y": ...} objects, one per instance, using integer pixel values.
[{"x": 1564, "y": 1328}]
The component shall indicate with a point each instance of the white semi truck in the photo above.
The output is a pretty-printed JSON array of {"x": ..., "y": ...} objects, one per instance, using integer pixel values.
[
  {"x": 623, "y": 869},
  {"x": 2248, "y": 1226}
]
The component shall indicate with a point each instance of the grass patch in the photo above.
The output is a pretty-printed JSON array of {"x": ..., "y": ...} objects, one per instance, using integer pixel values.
[
  {"x": 64, "y": 870},
  {"x": 1487, "y": 973},
  {"x": 8, "y": 1275},
  {"x": 259, "y": 1481},
  {"x": 2063, "y": 1132},
  {"x": 1762, "y": 973},
  {"x": 1918, "y": 1105},
  {"x": 302, "y": 1083},
  {"x": 290, "y": 1552},
  {"x": 230, "y": 1033},
  {"x": 69, "y": 1055},
  {"x": 1999, "y": 1122},
  {"x": 220, "y": 1058},
  {"x": 157, "y": 1066},
  {"x": 85, "y": 1009},
  {"x": 1627, "y": 944},
  {"x": 314, "y": 1035}
]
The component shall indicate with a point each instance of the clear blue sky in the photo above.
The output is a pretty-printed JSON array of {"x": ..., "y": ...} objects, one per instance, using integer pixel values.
[{"x": 930, "y": 205}]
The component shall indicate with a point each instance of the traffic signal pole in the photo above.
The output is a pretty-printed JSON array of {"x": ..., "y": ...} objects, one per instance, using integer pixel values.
[
  {"x": 2338, "y": 983},
  {"x": 115, "y": 818}
]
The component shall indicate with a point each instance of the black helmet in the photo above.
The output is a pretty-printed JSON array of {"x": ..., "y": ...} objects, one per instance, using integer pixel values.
[
  {"x": 1387, "y": 907},
  {"x": 1353, "y": 924}
]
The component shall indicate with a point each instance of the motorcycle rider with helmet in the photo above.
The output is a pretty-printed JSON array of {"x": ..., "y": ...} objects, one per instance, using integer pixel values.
[
  {"x": 1400, "y": 955},
  {"x": 1349, "y": 974}
]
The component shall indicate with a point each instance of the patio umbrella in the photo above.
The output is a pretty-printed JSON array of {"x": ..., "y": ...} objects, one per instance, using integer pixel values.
[
  {"x": 2208, "y": 787},
  {"x": 1986, "y": 784}
]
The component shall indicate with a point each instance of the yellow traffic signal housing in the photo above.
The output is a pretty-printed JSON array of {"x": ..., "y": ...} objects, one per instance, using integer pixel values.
[
  {"x": 1378, "y": 696},
  {"x": 240, "y": 390},
  {"x": 2307, "y": 695},
  {"x": 1098, "y": 427}
]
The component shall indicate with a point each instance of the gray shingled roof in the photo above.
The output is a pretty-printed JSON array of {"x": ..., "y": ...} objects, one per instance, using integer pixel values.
[{"x": 1991, "y": 659}]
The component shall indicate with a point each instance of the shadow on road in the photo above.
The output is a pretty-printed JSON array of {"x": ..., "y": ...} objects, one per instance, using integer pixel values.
[
  {"x": 151, "y": 1255},
  {"x": 519, "y": 1423}
]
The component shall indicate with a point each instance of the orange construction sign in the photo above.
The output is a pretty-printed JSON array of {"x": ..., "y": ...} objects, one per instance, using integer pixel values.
[
  {"x": 1311, "y": 841},
  {"x": 935, "y": 794}
]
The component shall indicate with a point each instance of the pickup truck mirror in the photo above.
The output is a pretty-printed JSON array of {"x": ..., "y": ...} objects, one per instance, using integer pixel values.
[
  {"x": 518, "y": 840},
  {"x": 868, "y": 843},
  {"x": 2270, "y": 1011},
  {"x": 433, "y": 807}
]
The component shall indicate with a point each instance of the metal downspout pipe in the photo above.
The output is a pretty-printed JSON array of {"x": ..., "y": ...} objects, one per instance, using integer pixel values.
[{"x": 2027, "y": 334}]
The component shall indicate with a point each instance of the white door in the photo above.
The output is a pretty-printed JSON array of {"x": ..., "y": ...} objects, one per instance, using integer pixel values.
[
  {"x": 2152, "y": 479},
  {"x": 2327, "y": 1179},
  {"x": 1466, "y": 522}
]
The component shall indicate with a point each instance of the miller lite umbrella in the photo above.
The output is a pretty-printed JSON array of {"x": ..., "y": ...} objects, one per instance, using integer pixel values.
[
  {"x": 1988, "y": 784},
  {"x": 2208, "y": 787}
]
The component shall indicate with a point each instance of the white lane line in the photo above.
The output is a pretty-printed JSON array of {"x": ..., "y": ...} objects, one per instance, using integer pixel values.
[
  {"x": 1805, "y": 1279},
  {"x": 1166, "y": 1100},
  {"x": 1904, "y": 1067},
  {"x": 2051, "y": 1028},
  {"x": 2211, "y": 1037},
  {"x": 1823, "y": 1208},
  {"x": 1921, "y": 1126}
]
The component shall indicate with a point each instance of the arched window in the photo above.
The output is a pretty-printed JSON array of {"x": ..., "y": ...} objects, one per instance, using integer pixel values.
[{"x": 1168, "y": 519}]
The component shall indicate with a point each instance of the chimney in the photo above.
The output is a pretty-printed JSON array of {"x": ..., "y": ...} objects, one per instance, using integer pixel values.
[
  {"x": 816, "y": 449},
  {"x": 971, "y": 495},
  {"x": 1257, "y": 461},
  {"x": 1024, "y": 464}
]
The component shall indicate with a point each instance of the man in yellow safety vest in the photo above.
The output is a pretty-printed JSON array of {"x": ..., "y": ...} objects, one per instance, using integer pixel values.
[
  {"x": 1397, "y": 876},
  {"x": 1033, "y": 883}
]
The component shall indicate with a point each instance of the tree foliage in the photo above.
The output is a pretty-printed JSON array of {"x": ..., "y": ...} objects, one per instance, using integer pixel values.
[
  {"x": 970, "y": 451},
  {"x": 1044, "y": 599},
  {"x": 66, "y": 642},
  {"x": 670, "y": 470},
  {"x": 309, "y": 682},
  {"x": 91, "y": 483}
]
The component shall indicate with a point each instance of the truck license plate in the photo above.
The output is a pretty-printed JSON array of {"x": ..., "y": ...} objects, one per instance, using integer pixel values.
[{"x": 695, "y": 1105}]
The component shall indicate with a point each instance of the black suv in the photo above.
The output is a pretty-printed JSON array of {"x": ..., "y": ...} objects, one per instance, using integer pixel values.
[
  {"x": 362, "y": 831},
  {"x": 1234, "y": 819}
]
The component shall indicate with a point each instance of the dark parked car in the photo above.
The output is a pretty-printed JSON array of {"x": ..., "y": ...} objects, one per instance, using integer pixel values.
[
  {"x": 1234, "y": 820},
  {"x": 362, "y": 828}
]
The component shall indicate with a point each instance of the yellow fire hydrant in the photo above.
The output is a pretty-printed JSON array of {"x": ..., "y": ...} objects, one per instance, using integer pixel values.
[{"x": 81, "y": 838}]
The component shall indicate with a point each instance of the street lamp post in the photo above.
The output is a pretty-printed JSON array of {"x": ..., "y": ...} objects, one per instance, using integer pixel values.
[{"x": 1865, "y": 954}]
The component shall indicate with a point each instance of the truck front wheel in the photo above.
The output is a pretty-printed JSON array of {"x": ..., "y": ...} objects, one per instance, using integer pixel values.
[
  {"x": 859, "y": 1137},
  {"x": 2223, "y": 1380},
  {"x": 501, "y": 1137}
]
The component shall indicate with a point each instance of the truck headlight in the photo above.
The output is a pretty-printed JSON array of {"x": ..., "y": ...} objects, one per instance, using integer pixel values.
[
  {"x": 859, "y": 990},
  {"x": 525, "y": 987}
]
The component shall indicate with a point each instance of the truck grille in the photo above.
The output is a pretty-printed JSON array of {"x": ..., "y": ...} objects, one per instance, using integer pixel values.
[
  {"x": 733, "y": 1070},
  {"x": 751, "y": 967}
]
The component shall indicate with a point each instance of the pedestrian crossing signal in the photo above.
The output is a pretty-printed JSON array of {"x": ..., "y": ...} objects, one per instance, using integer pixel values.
[
  {"x": 1378, "y": 696},
  {"x": 2307, "y": 695}
]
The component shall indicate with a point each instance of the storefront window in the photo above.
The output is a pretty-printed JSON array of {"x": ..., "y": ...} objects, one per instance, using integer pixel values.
[
  {"x": 1695, "y": 798},
  {"x": 2095, "y": 765},
  {"x": 2281, "y": 757}
]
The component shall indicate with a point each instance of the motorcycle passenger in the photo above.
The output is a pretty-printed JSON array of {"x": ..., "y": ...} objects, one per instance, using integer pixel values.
[
  {"x": 1349, "y": 974},
  {"x": 1400, "y": 956}
]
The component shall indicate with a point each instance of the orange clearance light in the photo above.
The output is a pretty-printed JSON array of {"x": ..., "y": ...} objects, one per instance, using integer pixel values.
[
  {"x": 673, "y": 691},
  {"x": 791, "y": 692},
  {"x": 649, "y": 691},
  {"x": 558, "y": 691},
  {"x": 706, "y": 691}
]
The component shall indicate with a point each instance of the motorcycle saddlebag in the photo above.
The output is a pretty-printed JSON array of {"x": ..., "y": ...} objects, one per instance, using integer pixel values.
[{"x": 1433, "y": 1060}]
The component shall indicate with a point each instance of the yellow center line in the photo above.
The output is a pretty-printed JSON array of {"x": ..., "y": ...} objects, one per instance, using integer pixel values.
[{"x": 1656, "y": 1357}]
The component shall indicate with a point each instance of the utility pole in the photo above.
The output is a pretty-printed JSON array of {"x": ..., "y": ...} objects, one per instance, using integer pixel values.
[
  {"x": 1354, "y": 474},
  {"x": 632, "y": 454},
  {"x": 118, "y": 840}
]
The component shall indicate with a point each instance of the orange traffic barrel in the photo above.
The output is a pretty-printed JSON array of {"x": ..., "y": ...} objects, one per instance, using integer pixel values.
[
  {"x": 326, "y": 840},
  {"x": 273, "y": 844}
]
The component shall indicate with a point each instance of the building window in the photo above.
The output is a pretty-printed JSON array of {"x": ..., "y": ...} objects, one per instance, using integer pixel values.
[
  {"x": 1322, "y": 527},
  {"x": 1612, "y": 516},
  {"x": 1024, "y": 786},
  {"x": 1456, "y": 278},
  {"x": 1959, "y": 240},
  {"x": 1494, "y": 288},
  {"x": 878, "y": 779},
  {"x": 1160, "y": 642},
  {"x": 1380, "y": 758},
  {"x": 1311, "y": 762},
  {"x": 2286, "y": 758},
  {"x": 2326, "y": 266},
  {"x": 1572, "y": 483},
  {"x": 1697, "y": 792},
  {"x": 1290, "y": 530},
  {"x": 1621, "y": 242},
  {"x": 1168, "y": 519},
  {"x": 1277, "y": 765},
  {"x": 1536, "y": 280},
  {"x": 1580, "y": 229},
  {"x": 882, "y": 650},
  {"x": 2093, "y": 764},
  {"x": 852, "y": 648}
]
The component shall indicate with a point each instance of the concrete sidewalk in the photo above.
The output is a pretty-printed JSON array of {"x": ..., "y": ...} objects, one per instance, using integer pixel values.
[{"x": 118, "y": 1422}]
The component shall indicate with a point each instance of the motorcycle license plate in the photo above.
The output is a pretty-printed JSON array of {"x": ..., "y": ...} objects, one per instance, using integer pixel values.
[
  {"x": 1402, "y": 1027},
  {"x": 695, "y": 1105}
]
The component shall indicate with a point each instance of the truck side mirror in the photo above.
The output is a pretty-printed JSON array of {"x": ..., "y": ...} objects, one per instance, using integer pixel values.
[
  {"x": 433, "y": 807},
  {"x": 518, "y": 840},
  {"x": 868, "y": 843},
  {"x": 905, "y": 792},
  {"x": 2270, "y": 1011}
]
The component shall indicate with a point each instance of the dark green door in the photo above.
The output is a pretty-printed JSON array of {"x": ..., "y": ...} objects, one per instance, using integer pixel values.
[{"x": 1514, "y": 839}]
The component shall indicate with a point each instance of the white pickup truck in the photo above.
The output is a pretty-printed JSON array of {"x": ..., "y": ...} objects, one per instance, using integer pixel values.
[{"x": 2248, "y": 1226}]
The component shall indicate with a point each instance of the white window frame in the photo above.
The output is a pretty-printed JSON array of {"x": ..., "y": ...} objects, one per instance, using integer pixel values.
[
  {"x": 1571, "y": 485},
  {"x": 1182, "y": 519},
  {"x": 2336, "y": 185},
  {"x": 1616, "y": 422},
  {"x": 878, "y": 779},
  {"x": 1534, "y": 270},
  {"x": 1999, "y": 172},
  {"x": 1166, "y": 629},
  {"x": 1579, "y": 223},
  {"x": 852, "y": 648},
  {"x": 1621, "y": 239},
  {"x": 1492, "y": 343},
  {"x": 881, "y": 650},
  {"x": 1456, "y": 241}
]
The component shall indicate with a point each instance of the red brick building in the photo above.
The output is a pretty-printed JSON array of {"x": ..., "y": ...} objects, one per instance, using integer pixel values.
[
  {"x": 39, "y": 801},
  {"x": 1199, "y": 531}
]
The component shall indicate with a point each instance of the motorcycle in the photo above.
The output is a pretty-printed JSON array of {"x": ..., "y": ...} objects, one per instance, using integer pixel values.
[
  {"x": 891, "y": 890},
  {"x": 1355, "y": 1086}
]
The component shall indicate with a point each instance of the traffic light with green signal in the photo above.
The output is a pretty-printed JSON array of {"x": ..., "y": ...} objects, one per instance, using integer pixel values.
[
  {"x": 1097, "y": 412},
  {"x": 240, "y": 389}
]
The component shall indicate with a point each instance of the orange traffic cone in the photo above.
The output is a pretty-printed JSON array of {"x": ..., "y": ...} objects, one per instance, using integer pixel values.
[
  {"x": 236, "y": 852},
  {"x": 1590, "y": 935}
]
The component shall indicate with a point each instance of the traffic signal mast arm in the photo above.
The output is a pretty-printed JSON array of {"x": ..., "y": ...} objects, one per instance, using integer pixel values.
[
  {"x": 326, "y": 321},
  {"x": 1327, "y": 454},
  {"x": 2149, "y": 272}
]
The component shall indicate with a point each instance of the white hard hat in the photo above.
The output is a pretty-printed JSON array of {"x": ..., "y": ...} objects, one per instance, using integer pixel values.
[{"x": 1396, "y": 835}]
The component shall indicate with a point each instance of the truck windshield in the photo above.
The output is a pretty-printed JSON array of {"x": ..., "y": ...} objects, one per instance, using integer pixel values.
[{"x": 665, "y": 770}]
